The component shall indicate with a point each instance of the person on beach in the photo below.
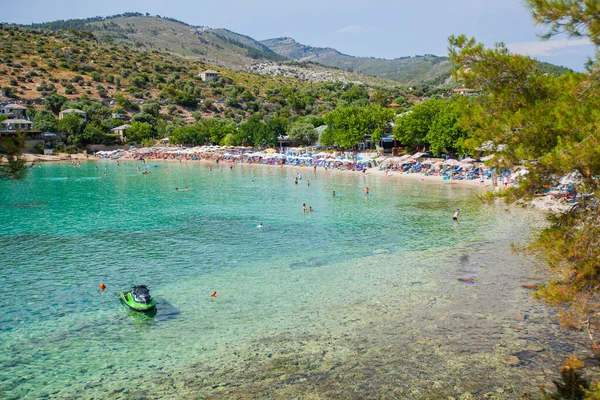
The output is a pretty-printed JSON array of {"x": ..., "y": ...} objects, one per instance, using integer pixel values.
[
  {"x": 481, "y": 179},
  {"x": 315, "y": 169},
  {"x": 456, "y": 215},
  {"x": 505, "y": 180}
]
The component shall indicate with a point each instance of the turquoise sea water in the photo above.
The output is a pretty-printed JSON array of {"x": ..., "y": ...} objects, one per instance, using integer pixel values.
[{"x": 359, "y": 298}]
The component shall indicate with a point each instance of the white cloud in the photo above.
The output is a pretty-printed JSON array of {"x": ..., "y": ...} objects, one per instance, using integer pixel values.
[
  {"x": 353, "y": 29},
  {"x": 547, "y": 48}
]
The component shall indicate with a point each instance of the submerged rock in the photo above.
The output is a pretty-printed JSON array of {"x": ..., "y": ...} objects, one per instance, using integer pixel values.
[
  {"x": 512, "y": 360},
  {"x": 530, "y": 287}
]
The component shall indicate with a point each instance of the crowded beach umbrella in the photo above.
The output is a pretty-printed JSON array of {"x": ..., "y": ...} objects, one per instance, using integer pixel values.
[
  {"x": 437, "y": 164},
  {"x": 270, "y": 150},
  {"x": 416, "y": 155},
  {"x": 468, "y": 160},
  {"x": 452, "y": 162},
  {"x": 487, "y": 158},
  {"x": 427, "y": 162}
]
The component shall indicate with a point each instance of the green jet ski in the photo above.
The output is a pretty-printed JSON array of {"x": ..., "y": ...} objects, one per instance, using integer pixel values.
[{"x": 138, "y": 299}]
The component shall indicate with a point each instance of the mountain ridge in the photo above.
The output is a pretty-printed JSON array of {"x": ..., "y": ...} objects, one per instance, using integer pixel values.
[{"x": 229, "y": 49}]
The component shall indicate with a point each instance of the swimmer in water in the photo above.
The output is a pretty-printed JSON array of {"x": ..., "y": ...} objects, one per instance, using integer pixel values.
[
  {"x": 310, "y": 209},
  {"x": 260, "y": 225},
  {"x": 456, "y": 215},
  {"x": 333, "y": 194},
  {"x": 304, "y": 207}
]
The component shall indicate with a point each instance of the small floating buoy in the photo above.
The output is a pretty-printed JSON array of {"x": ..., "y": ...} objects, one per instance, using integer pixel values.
[
  {"x": 214, "y": 294},
  {"x": 102, "y": 287}
]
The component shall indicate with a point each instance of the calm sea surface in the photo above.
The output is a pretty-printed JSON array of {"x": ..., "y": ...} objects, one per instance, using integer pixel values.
[{"x": 358, "y": 299}]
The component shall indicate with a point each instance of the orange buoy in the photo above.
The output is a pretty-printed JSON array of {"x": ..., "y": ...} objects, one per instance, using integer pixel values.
[
  {"x": 102, "y": 287},
  {"x": 214, "y": 294}
]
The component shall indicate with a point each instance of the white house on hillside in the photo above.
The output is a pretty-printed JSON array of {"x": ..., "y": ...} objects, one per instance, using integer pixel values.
[
  {"x": 68, "y": 111},
  {"x": 15, "y": 110},
  {"x": 121, "y": 131},
  {"x": 209, "y": 75},
  {"x": 16, "y": 125}
]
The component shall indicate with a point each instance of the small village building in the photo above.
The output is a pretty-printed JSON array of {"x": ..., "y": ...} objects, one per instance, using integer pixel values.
[
  {"x": 16, "y": 125},
  {"x": 387, "y": 145},
  {"x": 68, "y": 111},
  {"x": 120, "y": 130},
  {"x": 14, "y": 110},
  {"x": 209, "y": 75}
]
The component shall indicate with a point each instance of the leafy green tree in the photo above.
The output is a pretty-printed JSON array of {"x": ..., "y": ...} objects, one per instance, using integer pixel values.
[
  {"x": 94, "y": 132},
  {"x": 72, "y": 125},
  {"x": 152, "y": 108},
  {"x": 412, "y": 127},
  {"x": 349, "y": 126},
  {"x": 354, "y": 93},
  {"x": 54, "y": 102},
  {"x": 230, "y": 139},
  {"x": 253, "y": 132},
  {"x": 139, "y": 131},
  {"x": 95, "y": 110},
  {"x": 144, "y": 117},
  {"x": 44, "y": 121},
  {"x": 122, "y": 101},
  {"x": 445, "y": 133},
  {"x": 274, "y": 128},
  {"x": 380, "y": 97},
  {"x": 303, "y": 132},
  {"x": 190, "y": 134}
]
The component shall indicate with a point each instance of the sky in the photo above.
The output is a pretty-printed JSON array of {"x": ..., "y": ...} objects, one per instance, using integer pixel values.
[{"x": 375, "y": 28}]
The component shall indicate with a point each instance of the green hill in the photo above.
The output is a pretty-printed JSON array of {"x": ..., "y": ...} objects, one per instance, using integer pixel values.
[
  {"x": 147, "y": 32},
  {"x": 409, "y": 70}
]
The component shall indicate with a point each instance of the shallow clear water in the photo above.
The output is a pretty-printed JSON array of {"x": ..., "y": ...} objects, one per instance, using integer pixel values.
[{"x": 357, "y": 299}]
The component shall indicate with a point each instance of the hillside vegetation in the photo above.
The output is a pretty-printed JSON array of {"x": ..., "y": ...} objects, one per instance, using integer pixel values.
[
  {"x": 232, "y": 50},
  {"x": 409, "y": 70},
  {"x": 54, "y": 71}
]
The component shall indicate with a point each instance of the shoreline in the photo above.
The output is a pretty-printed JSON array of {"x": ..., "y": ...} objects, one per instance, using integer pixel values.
[{"x": 545, "y": 203}]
